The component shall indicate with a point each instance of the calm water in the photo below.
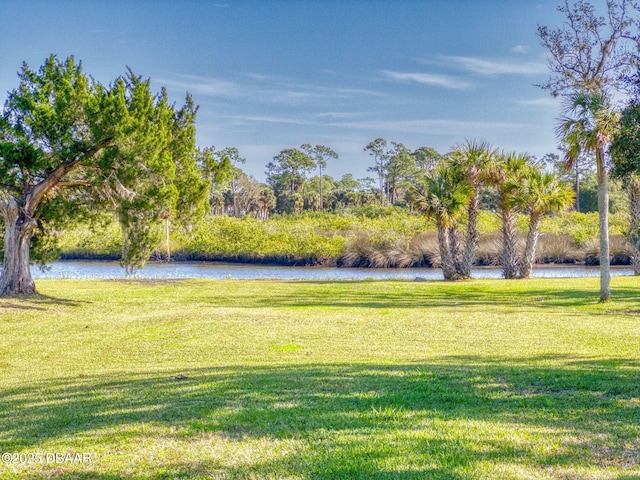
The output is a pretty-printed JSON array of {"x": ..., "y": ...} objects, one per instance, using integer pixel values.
[{"x": 98, "y": 269}]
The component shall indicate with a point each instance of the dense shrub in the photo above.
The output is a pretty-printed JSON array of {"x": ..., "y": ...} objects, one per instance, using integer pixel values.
[
  {"x": 377, "y": 237},
  {"x": 582, "y": 226},
  {"x": 101, "y": 241},
  {"x": 248, "y": 239}
]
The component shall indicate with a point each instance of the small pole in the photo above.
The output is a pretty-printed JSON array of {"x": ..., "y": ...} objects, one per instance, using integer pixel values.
[
  {"x": 168, "y": 245},
  {"x": 165, "y": 217}
]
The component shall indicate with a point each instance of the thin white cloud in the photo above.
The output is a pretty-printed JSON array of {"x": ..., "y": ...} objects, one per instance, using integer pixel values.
[
  {"x": 203, "y": 85},
  {"x": 520, "y": 49},
  {"x": 490, "y": 67},
  {"x": 308, "y": 91},
  {"x": 283, "y": 87},
  {"x": 540, "y": 102},
  {"x": 339, "y": 115},
  {"x": 261, "y": 78},
  {"x": 433, "y": 126},
  {"x": 244, "y": 119},
  {"x": 444, "y": 81},
  {"x": 263, "y": 88}
]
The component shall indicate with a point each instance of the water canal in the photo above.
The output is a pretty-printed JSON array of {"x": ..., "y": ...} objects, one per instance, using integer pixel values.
[{"x": 106, "y": 269}]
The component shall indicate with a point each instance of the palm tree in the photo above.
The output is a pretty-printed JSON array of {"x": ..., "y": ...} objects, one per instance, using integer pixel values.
[
  {"x": 443, "y": 196},
  {"x": 475, "y": 160},
  {"x": 587, "y": 127},
  {"x": 507, "y": 176},
  {"x": 539, "y": 193}
]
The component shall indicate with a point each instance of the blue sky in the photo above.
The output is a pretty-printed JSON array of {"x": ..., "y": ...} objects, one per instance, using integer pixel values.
[{"x": 270, "y": 75}]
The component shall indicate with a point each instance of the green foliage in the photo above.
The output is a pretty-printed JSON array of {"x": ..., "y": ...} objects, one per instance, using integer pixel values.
[
  {"x": 101, "y": 240},
  {"x": 216, "y": 166},
  {"x": 589, "y": 195},
  {"x": 488, "y": 222},
  {"x": 443, "y": 195},
  {"x": 249, "y": 239},
  {"x": 71, "y": 148},
  {"x": 625, "y": 145},
  {"x": 396, "y": 167},
  {"x": 427, "y": 157},
  {"x": 319, "y": 154},
  {"x": 582, "y": 226},
  {"x": 287, "y": 175}
]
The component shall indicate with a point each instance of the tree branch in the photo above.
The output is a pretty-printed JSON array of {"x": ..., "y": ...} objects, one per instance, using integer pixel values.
[
  {"x": 74, "y": 183},
  {"x": 38, "y": 192}
]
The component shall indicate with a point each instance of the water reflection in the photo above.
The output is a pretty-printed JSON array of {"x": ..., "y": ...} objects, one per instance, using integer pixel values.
[{"x": 99, "y": 269}]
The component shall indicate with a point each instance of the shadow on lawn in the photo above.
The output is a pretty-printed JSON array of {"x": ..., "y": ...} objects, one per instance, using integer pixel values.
[
  {"x": 352, "y": 420},
  {"x": 383, "y": 295},
  {"x": 37, "y": 302}
]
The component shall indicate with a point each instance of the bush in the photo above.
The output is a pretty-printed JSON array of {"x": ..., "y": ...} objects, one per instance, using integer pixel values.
[
  {"x": 392, "y": 238},
  {"x": 100, "y": 241},
  {"x": 248, "y": 239}
]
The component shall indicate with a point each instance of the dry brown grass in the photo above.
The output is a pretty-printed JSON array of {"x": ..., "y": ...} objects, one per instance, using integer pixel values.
[{"x": 422, "y": 251}]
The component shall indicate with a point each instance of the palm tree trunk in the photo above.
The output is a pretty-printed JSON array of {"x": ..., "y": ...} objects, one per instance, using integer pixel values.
[
  {"x": 454, "y": 251},
  {"x": 446, "y": 262},
  {"x": 603, "y": 213},
  {"x": 633, "y": 237},
  {"x": 508, "y": 256},
  {"x": 472, "y": 236},
  {"x": 529, "y": 254}
]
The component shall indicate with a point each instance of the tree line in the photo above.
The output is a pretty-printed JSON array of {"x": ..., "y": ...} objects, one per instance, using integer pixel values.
[{"x": 297, "y": 182}]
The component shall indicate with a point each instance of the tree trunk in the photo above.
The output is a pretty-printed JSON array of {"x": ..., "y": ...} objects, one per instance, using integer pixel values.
[
  {"x": 603, "y": 213},
  {"x": 18, "y": 230},
  {"x": 633, "y": 237},
  {"x": 455, "y": 252},
  {"x": 233, "y": 195},
  {"x": 446, "y": 262},
  {"x": 321, "y": 199},
  {"x": 472, "y": 236},
  {"x": 577, "y": 185},
  {"x": 508, "y": 256},
  {"x": 529, "y": 254}
]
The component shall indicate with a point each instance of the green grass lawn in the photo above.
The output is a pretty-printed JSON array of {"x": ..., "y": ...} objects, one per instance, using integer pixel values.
[{"x": 274, "y": 380}]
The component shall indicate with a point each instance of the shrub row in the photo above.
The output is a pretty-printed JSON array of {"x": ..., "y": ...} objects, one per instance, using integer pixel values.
[{"x": 393, "y": 238}]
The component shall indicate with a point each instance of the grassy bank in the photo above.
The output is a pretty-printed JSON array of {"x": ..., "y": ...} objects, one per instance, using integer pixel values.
[
  {"x": 390, "y": 238},
  {"x": 266, "y": 380}
]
